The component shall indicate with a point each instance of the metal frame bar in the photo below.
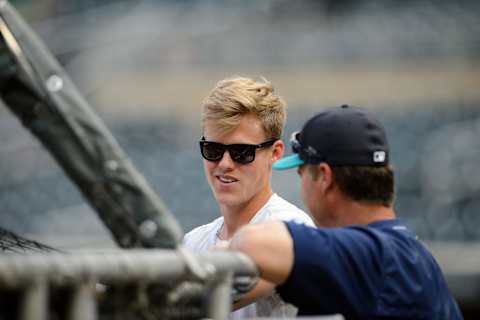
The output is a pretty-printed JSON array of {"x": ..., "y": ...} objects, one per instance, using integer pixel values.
[
  {"x": 34, "y": 273},
  {"x": 34, "y": 301},
  {"x": 220, "y": 302}
]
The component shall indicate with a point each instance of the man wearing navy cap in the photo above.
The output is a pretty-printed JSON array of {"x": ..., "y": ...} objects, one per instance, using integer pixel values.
[{"x": 361, "y": 261}]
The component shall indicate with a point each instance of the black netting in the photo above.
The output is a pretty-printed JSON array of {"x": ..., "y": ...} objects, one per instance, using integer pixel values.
[{"x": 13, "y": 243}]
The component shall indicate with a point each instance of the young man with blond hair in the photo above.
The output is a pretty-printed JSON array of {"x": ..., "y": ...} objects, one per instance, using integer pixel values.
[{"x": 242, "y": 123}]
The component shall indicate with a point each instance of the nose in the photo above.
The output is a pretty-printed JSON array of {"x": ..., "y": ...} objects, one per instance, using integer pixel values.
[{"x": 226, "y": 162}]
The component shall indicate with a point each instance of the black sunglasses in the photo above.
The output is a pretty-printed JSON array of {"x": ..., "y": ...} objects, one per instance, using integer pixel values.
[{"x": 240, "y": 152}]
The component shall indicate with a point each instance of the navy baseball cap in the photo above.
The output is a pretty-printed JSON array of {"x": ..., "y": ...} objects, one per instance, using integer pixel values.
[{"x": 339, "y": 136}]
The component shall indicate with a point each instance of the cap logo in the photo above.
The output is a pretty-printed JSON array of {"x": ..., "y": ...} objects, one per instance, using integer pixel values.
[
  {"x": 379, "y": 156},
  {"x": 311, "y": 151}
]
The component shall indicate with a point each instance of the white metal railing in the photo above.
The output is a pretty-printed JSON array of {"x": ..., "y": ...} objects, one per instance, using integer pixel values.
[{"x": 32, "y": 275}]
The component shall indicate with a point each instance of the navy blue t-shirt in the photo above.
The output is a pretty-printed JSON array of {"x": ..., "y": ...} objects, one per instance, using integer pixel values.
[{"x": 375, "y": 271}]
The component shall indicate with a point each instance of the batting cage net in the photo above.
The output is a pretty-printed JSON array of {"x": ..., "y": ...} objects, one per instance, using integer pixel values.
[{"x": 13, "y": 243}]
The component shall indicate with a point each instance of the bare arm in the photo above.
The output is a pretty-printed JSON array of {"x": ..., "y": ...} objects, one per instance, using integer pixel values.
[
  {"x": 262, "y": 288},
  {"x": 270, "y": 246}
]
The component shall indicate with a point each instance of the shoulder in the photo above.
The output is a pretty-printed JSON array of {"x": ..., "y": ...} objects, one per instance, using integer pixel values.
[
  {"x": 348, "y": 255},
  {"x": 278, "y": 208},
  {"x": 199, "y": 238},
  {"x": 370, "y": 248},
  {"x": 364, "y": 245}
]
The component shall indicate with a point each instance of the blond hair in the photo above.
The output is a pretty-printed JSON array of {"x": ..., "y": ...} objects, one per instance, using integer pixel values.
[{"x": 233, "y": 98}]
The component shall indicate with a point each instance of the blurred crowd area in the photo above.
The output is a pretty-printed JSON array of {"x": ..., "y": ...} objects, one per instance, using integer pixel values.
[{"x": 145, "y": 67}]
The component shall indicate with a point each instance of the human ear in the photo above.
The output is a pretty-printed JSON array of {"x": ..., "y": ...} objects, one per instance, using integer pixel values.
[
  {"x": 325, "y": 176},
  {"x": 278, "y": 149}
]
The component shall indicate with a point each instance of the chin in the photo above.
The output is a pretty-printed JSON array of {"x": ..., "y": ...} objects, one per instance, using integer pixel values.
[{"x": 229, "y": 200}]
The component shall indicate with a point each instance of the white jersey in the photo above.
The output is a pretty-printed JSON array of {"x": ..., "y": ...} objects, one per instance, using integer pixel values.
[{"x": 205, "y": 237}]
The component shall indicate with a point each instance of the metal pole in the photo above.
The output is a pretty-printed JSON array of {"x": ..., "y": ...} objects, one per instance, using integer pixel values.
[
  {"x": 83, "y": 305},
  {"x": 34, "y": 301},
  {"x": 118, "y": 266},
  {"x": 220, "y": 304}
]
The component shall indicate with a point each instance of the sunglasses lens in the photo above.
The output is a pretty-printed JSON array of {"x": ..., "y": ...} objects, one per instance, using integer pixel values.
[
  {"x": 212, "y": 151},
  {"x": 242, "y": 153}
]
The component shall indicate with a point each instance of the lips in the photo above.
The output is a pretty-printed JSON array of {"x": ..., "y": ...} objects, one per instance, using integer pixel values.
[{"x": 226, "y": 179}]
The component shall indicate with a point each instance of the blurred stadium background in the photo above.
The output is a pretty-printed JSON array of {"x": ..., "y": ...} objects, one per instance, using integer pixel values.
[{"x": 145, "y": 66}]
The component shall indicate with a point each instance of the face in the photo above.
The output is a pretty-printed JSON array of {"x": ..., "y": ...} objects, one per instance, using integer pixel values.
[{"x": 238, "y": 185}]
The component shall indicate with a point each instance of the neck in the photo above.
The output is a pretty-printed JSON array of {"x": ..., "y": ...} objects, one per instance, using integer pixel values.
[
  {"x": 372, "y": 213},
  {"x": 356, "y": 213},
  {"x": 238, "y": 216}
]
